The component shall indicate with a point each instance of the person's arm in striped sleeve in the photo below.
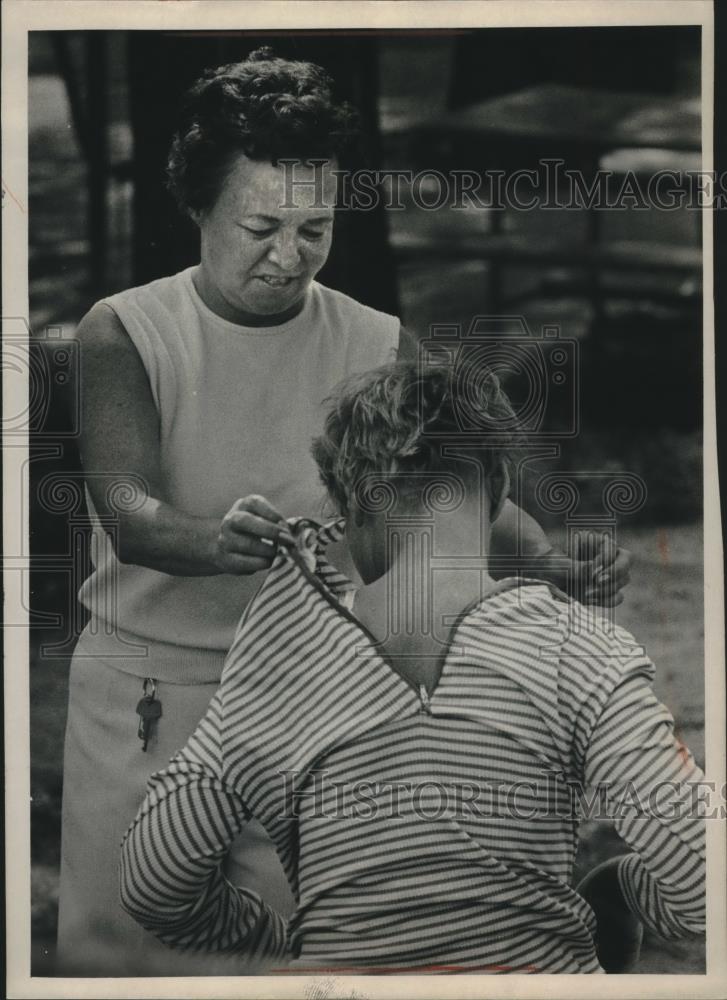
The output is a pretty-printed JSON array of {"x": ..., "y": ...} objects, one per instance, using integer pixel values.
[
  {"x": 651, "y": 782},
  {"x": 171, "y": 878}
]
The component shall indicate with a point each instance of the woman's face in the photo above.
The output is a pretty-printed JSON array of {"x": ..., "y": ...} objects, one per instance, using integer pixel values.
[{"x": 266, "y": 237}]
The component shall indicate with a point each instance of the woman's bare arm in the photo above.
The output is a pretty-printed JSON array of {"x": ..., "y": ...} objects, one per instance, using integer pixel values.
[
  {"x": 120, "y": 442},
  {"x": 516, "y": 531},
  {"x": 595, "y": 574}
]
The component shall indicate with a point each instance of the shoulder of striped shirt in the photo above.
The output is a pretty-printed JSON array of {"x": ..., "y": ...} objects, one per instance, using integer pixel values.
[
  {"x": 584, "y": 628},
  {"x": 585, "y": 632}
]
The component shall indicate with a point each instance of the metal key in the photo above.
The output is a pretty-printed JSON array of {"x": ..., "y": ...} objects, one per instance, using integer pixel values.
[{"x": 149, "y": 710}]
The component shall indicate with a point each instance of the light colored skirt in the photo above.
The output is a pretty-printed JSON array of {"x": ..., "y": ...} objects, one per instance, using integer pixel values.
[{"x": 104, "y": 782}]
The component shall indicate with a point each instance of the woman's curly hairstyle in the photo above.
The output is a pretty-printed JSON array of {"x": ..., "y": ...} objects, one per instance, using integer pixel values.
[
  {"x": 265, "y": 107},
  {"x": 396, "y": 418}
]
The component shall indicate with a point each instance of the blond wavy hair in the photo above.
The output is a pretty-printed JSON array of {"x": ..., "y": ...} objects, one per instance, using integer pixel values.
[{"x": 397, "y": 418}]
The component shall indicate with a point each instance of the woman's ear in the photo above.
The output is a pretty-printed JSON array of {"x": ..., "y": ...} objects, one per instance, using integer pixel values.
[{"x": 500, "y": 490}]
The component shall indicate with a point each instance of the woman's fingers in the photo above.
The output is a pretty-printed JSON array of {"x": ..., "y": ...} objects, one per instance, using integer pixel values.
[
  {"x": 244, "y": 524},
  {"x": 615, "y": 573},
  {"x": 622, "y": 567},
  {"x": 243, "y": 553},
  {"x": 244, "y": 544},
  {"x": 598, "y": 579},
  {"x": 587, "y": 546},
  {"x": 249, "y": 536},
  {"x": 604, "y": 556},
  {"x": 255, "y": 504},
  {"x": 609, "y": 580},
  {"x": 255, "y": 516}
]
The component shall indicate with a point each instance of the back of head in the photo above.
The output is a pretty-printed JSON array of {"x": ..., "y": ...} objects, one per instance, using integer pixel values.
[
  {"x": 268, "y": 108},
  {"x": 405, "y": 419}
]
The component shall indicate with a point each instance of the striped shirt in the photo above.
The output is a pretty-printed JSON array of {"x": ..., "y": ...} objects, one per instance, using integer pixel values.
[{"x": 419, "y": 832}]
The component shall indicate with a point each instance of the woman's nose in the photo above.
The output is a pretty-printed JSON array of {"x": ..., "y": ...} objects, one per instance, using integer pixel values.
[{"x": 285, "y": 253}]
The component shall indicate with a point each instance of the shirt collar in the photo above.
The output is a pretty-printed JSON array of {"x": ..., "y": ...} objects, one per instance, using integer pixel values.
[{"x": 312, "y": 538}]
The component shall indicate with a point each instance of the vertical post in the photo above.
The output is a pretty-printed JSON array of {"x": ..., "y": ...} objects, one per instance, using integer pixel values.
[
  {"x": 593, "y": 236},
  {"x": 495, "y": 273},
  {"x": 361, "y": 262},
  {"x": 97, "y": 105}
]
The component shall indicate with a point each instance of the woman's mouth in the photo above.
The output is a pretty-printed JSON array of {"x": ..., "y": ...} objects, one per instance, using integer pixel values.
[{"x": 274, "y": 282}]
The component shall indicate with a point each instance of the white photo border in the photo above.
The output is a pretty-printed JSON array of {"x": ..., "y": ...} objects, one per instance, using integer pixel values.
[{"x": 18, "y": 18}]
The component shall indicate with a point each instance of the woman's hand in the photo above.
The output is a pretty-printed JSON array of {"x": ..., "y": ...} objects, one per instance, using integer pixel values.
[
  {"x": 596, "y": 573},
  {"x": 249, "y": 535},
  {"x": 601, "y": 570}
]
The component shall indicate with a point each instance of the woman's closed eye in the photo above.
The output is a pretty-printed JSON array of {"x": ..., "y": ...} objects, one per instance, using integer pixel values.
[
  {"x": 308, "y": 234},
  {"x": 261, "y": 234}
]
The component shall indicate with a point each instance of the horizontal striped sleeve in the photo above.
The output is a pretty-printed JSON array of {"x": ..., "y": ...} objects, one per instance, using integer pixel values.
[
  {"x": 171, "y": 879},
  {"x": 649, "y": 779}
]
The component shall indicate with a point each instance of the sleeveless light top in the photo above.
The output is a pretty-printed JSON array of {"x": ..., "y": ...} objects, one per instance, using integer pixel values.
[{"x": 238, "y": 408}]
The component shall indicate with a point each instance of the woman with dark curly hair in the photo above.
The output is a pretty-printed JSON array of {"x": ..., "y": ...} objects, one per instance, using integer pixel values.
[{"x": 201, "y": 394}]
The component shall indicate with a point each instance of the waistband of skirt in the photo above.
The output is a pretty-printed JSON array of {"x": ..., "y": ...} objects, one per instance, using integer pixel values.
[{"x": 145, "y": 657}]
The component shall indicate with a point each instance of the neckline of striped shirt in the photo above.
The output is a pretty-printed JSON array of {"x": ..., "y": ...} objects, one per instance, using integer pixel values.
[{"x": 315, "y": 538}]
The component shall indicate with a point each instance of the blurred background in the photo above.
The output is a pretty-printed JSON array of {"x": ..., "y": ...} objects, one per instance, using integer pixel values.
[{"x": 623, "y": 285}]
